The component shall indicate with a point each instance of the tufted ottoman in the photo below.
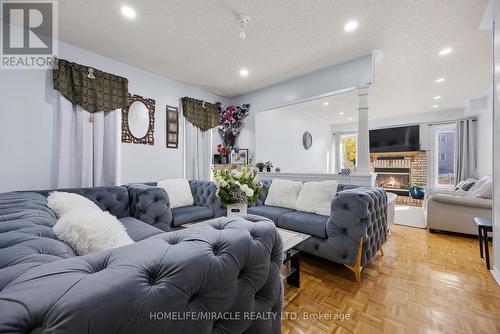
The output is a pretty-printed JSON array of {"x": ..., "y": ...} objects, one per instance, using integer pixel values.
[{"x": 216, "y": 277}]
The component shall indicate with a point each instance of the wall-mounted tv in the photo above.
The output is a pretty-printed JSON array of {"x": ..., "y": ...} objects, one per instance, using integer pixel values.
[{"x": 400, "y": 139}]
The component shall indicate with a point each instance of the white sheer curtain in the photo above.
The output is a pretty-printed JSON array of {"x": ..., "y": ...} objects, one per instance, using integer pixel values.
[
  {"x": 466, "y": 150},
  {"x": 198, "y": 152},
  {"x": 85, "y": 154}
]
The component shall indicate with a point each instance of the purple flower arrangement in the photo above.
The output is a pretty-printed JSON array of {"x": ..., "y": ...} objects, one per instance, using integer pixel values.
[{"x": 231, "y": 122}]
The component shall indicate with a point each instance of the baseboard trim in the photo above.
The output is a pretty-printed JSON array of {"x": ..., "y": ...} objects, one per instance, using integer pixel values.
[{"x": 495, "y": 272}]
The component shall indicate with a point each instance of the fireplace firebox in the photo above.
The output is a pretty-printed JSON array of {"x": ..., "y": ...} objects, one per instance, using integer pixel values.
[{"x": 396, "y": 180}]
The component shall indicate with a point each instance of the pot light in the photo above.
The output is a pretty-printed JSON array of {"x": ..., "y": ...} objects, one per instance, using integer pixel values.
[
  {"x": 438, "y": 80},
  {"x": 128, "y": 12},
  {"x": 445, "y": 51},
  {"x": 435, "y": 106},
  {"x": 325, "y": 103},
  {"x": 437, "y": 97},
  {"x": 341, "y": 113},
  {"x": 351, "y": 26},
  {"x": 243, "y": 72},
  {"x": 349, "y": 119}
]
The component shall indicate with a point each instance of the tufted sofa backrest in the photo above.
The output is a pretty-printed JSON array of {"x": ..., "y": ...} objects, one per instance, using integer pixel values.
[{"x": 115, "y": 200}]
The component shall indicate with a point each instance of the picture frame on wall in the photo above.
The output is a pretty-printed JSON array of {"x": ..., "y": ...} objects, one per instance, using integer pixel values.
[
  {"x": 240, "y": 157},
  {"x": 172, "y": 127}
]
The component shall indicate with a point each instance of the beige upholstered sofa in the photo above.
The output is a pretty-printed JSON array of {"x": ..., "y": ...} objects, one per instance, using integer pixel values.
[{"x": 454, "y": 211}]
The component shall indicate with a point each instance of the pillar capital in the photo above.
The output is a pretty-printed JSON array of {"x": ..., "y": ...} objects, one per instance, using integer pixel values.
[{"x": 362, "y": 89}]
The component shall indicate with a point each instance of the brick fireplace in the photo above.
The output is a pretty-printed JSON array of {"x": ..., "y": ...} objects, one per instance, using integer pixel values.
[{"x": 396, "y": 170}]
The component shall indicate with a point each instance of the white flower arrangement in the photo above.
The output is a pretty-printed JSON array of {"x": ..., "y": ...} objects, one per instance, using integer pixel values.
[{"x": 237, "y": 186}]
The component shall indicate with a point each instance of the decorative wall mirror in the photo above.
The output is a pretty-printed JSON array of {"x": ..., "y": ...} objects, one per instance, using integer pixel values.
[
  {"x": 172, "y": 127},
  {"x": 307, "y": 140},
  {"x": 138, "y": 121}
]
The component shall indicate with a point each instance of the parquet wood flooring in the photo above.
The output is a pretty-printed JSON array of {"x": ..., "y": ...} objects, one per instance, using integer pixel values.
[{"x": 424, "y": 283}]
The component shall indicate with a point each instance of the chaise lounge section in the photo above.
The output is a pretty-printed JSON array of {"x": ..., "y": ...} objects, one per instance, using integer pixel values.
[{"x": 225, "y": 265}]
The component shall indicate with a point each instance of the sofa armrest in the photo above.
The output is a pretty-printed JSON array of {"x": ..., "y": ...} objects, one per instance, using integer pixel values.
[
  {"x": 462, "y": 200},
  {"x": 150, "y": 205},
  {"x": 358, "y": 213}
]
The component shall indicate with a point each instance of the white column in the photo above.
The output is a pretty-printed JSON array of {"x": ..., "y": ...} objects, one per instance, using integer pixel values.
[{"x": 363, "y": 147}]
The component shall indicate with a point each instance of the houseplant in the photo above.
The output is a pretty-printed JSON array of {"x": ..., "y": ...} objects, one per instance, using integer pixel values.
[
  {"x": 268, "y": 166},
  {"x": 416, "y": 192},
  {"x": 237, "y": 188},
  {"x": 260, "y": 166}
]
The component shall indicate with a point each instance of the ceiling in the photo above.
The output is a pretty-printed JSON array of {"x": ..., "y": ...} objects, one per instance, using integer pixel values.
[{"x": 198, "y": 42}]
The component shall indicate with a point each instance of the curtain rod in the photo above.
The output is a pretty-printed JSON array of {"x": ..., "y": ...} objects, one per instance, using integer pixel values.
[{"x": 474, "y": 119}]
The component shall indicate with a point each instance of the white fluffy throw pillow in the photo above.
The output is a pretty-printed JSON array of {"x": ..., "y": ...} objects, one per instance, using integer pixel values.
[
  {"x": 283, "y": 193},
  {"x": 316, "y": 197},
  {"x": 179, "y": 192},
  {"x": 88, "y": 231},
  {"x": 62, "y": 202}
]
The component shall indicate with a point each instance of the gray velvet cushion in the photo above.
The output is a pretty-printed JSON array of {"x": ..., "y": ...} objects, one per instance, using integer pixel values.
[
  {"x": 304, "y": 222},
  {"x": 189, "y": 214},
  {"x": 138, "y": 230},
  {"x": 271, "y": 212},
  {"x": 26, "y": 236}
]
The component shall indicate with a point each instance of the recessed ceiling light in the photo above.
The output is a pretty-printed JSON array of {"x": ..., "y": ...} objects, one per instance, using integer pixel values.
[
  {"x": 445, "y": 51},
  {"x": 437, "y": 97},
  {"x": 244, "y": 72},
  {"x": 128, "y": 12},
  {"x": 341, "y": 113},
  {"x": 325, "y": 103},
  {"x": 438, "y": 80},
  {"x": 351, "y": 26},
  {"x": 435, "y": 106},
  {"x": 350, "y": 119}
]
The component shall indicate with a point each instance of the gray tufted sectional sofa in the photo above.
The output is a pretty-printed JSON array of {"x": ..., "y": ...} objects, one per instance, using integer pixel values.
[
  {"x": 357, "y": 212},
  {"x": 156, "y": 285}
]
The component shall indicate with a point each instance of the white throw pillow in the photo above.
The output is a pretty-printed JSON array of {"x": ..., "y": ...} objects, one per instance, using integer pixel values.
[
  {"x": 283, "y": 193},
  {"x": 485, "y": 191},
  {"x": 88, "y": 231},
  {"x": 62, "y": 202},
  {"x": 316, "y": 197},
  {"x": 179, "y": 192},
  {"x": 479, "y": 184}
]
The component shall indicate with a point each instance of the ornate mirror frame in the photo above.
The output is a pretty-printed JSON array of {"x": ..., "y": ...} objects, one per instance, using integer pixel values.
[{"x": 127, "y": 136}]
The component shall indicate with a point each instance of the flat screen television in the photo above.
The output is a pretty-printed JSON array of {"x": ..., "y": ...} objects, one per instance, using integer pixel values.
[{"x": 400, "y": 139}]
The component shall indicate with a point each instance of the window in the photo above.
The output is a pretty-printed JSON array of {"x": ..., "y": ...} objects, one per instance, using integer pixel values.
[
  {"x": 348, "y": 143},
  {"x": 444, "y": 148}
]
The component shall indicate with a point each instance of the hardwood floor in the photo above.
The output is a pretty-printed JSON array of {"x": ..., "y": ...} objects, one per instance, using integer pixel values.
[{"x": 424, "y": 283}]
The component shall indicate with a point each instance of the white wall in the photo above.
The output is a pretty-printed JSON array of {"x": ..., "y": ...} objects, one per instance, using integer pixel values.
[
  {"x": 279, "y": 139},
  {"x": 324, "y": 82},
  {"x": 26, "y": 123}
]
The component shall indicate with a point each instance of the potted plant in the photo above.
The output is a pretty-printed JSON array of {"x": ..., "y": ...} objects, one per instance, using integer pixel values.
[
  {"x": 231, "y": 122},
  {"x": 416, "y": 192},
  {"x": 237, "y": 188},
  {"x": 268, "y": 165},
  {"x": 223, "y": 153},
  {"x": 260, "y": 166}
]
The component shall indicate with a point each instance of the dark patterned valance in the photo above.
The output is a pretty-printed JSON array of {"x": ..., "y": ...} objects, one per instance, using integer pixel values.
[
  {"x": 92, "y": 89},
  {"x": 202, "y": 114}
]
